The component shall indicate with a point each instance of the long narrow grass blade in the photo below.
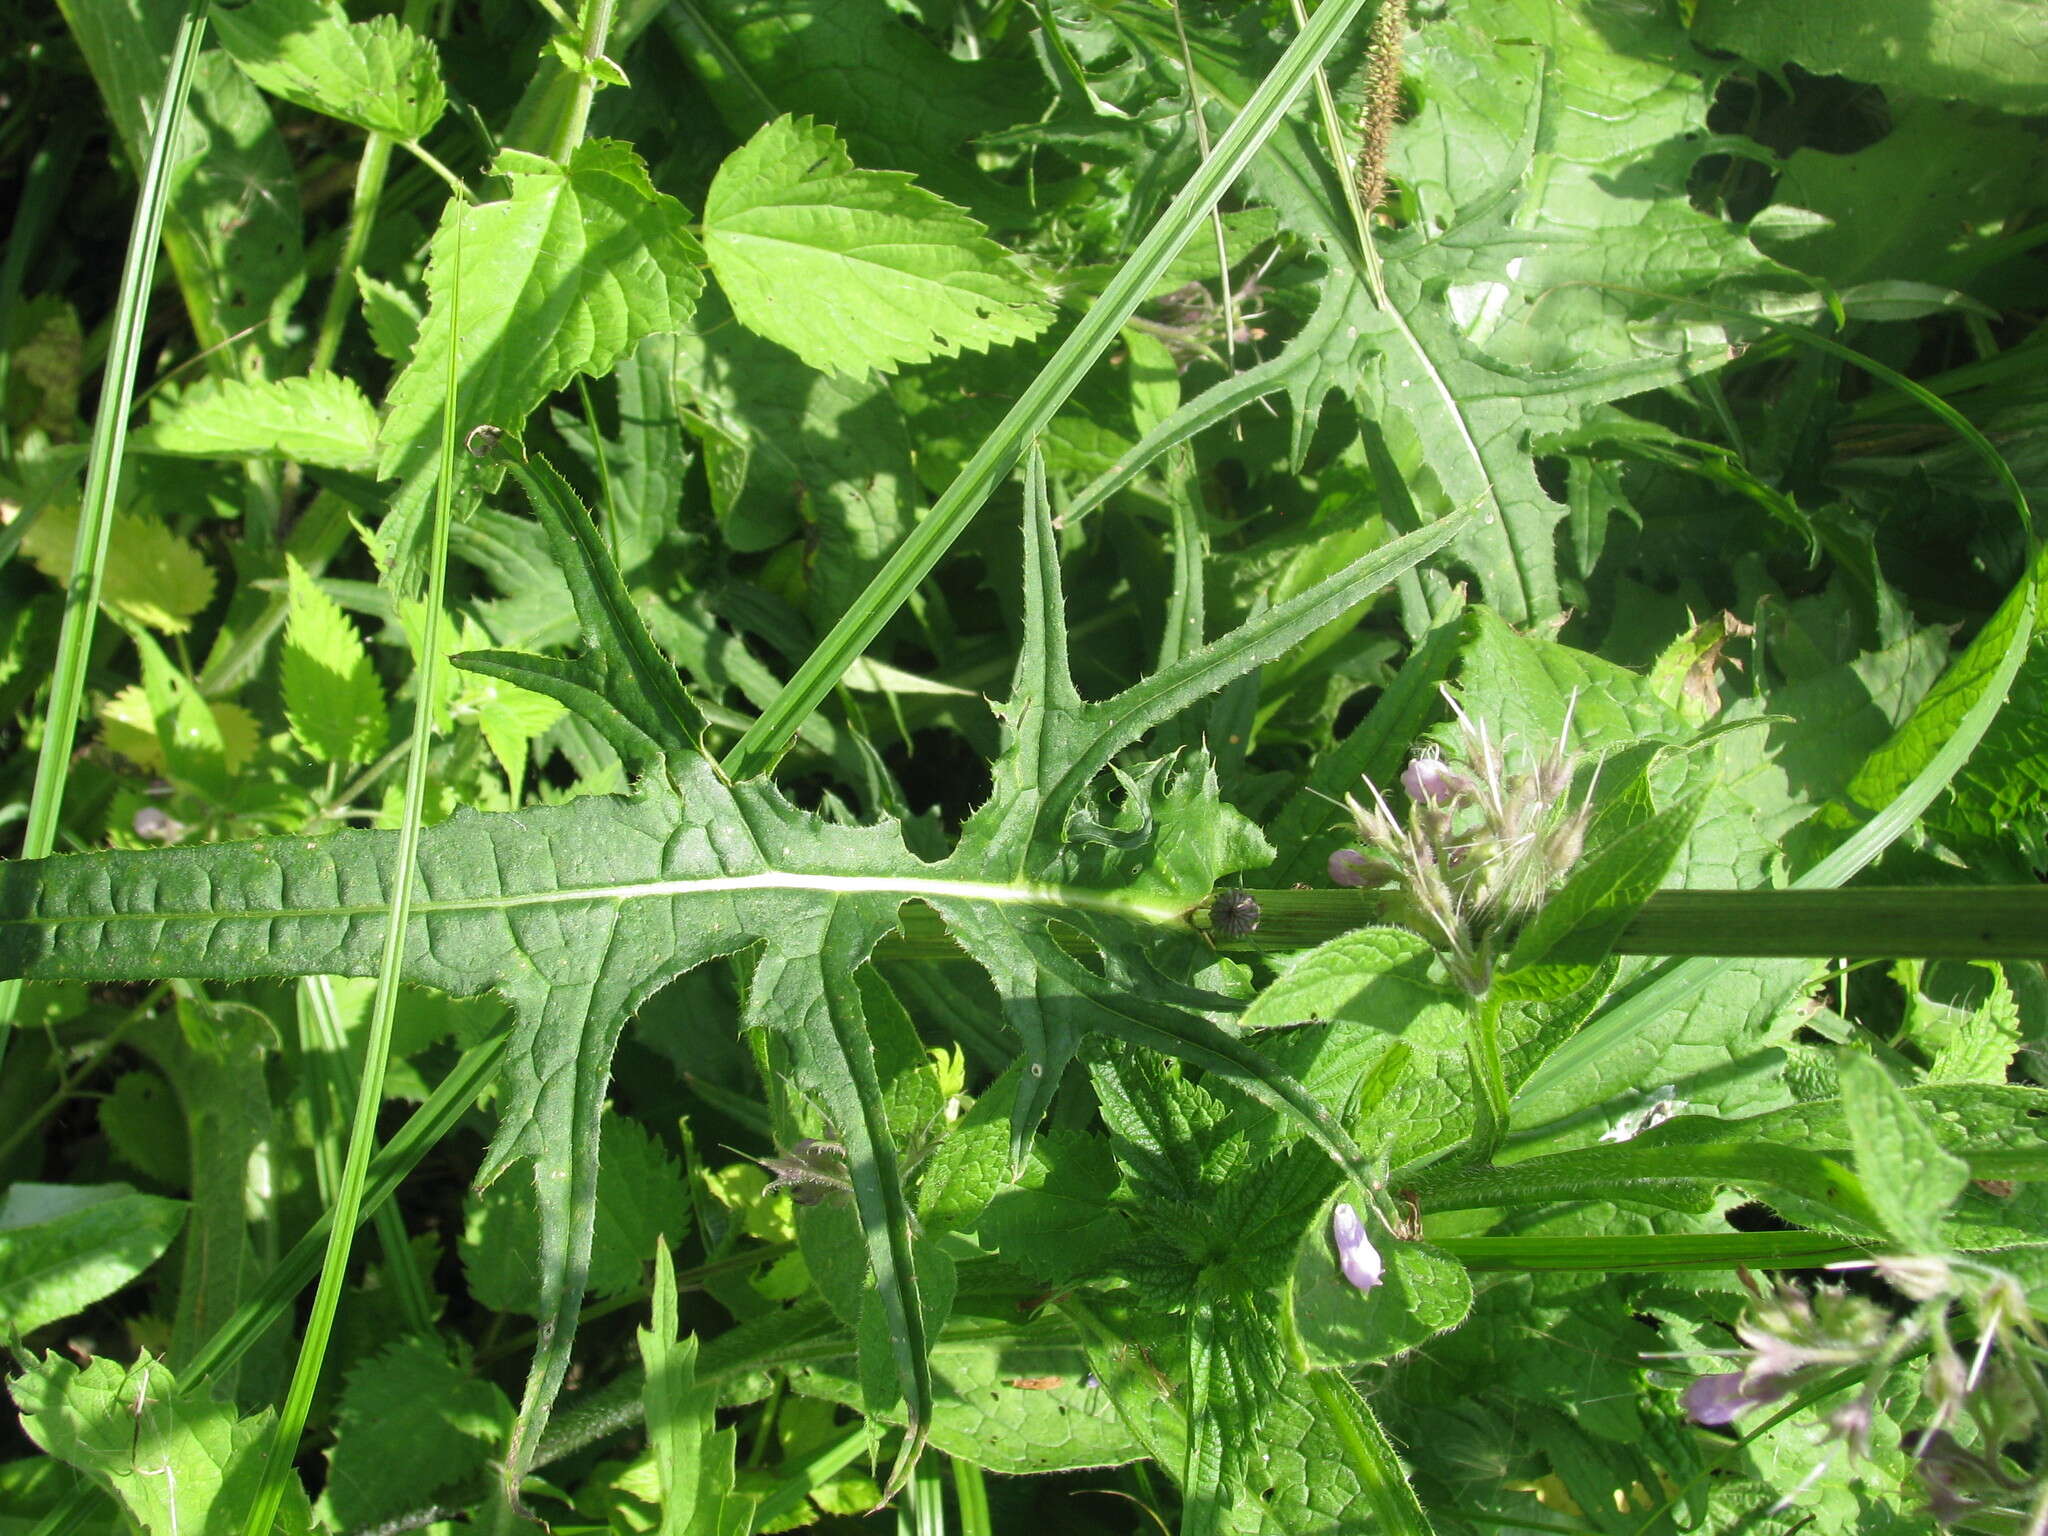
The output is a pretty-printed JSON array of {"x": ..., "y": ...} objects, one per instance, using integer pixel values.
[
  {"x": 770, "y": 735},
  {"x": 348, "y": 1205},
  {"x": 103, "y": 464}
]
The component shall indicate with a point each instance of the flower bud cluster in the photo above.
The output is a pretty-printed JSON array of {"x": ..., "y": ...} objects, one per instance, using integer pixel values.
[
  {"x": 1983, "y": 1399},
  {"x": 1793, "y": 1338},
  {"x": 1484, "y": 844}
]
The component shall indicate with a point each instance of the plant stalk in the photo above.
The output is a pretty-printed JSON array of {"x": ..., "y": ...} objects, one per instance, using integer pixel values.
[{"x": 1862, "y": 923}]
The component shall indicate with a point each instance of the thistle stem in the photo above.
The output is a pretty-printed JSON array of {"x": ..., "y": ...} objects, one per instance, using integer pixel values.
[{"x": 1863, "y": 923}]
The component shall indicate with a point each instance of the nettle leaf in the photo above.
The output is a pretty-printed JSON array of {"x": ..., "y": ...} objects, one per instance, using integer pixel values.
[
  {"x": 413, "y": 1420},
  {"x": 1912, "y": 1181},
  {"x": 564, "y": 277},
  {"x": 853, "y": 269},
  {"x": 640, "y": 1197},
  {"x": 576, "y": 913},
  {"x": 1968, "y": 1044},
  {"x": 973, "y": 1163},
  {"x": 333, "y": 701},
  {"x": 65, "y": 1246},
  {"x": 899, "y": 100},
  {"x": 152, "y": 577},
  {"x": 378, "y": 74},
  {"x": 791, "y": 451},
  {"x": 175, "y": 1463},
  {"x": 392, "y": 315},
  {"x": 322, "y": 419},
  {"x": 1052, "y": 1221}
]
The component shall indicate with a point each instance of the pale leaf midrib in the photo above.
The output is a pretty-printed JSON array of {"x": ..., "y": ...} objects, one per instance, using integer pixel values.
[{"x": 1070, "y": 898}]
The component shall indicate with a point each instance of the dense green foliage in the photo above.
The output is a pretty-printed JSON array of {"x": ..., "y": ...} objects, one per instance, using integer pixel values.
[{"x": 710, "y": 634}]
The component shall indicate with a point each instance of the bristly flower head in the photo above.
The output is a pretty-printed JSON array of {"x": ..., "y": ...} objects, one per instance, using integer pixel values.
[{"x": 1484, "y": 844}]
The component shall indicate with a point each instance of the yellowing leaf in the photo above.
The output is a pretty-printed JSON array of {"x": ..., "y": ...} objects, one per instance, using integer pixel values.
[
  {"x": 128, "y": 727},
  {"x": 853, "y": 269},
  {"x": 153, "y": 576}
]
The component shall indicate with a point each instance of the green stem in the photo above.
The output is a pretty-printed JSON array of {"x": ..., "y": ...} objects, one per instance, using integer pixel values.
[
  {"x": 596, "y": 29},
  {"x": 103, "y": 465},
  {"x": 999, "y": 453},
  {"x": 1861, "y": 923},
  {"x": 362, "y": 217},
  {"x": 1489, "y": 1080},
  {"x": 454, "y": 183}
]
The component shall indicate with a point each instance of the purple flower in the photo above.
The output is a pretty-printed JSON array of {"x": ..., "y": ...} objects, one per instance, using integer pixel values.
[
  {"x": 1716, "y": 1400},
  {"x": 1349, "y": 867},
  {"x": 1356, "y": 1255},
  {"x": 1432, "y": 781}
]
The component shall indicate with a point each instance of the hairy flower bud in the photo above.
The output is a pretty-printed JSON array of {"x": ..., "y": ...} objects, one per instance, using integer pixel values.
[
  {"x": 1429, "y": 780},
  {"x": 1716, "y": 1400},
  {"x": 1350, "y": 867}
]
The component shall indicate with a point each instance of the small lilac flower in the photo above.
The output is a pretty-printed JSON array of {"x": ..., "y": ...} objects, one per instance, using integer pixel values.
[
  {"x": 155, "y": 826},
  {"x": 1356, "y": 1255},
  {"x": 1429, "y": 780},
  {"x": 1850, "y": 1424},
  {"x": 1952, "y": 1476},
  {"x": 1716, "y": 1400}
]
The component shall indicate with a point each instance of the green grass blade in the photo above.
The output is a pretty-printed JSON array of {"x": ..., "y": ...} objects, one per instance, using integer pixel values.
[
  {"x": 1654, "y": 1253},
  {"x": 970, "y": 1494},
  {"x": 771, "y": 734},
  {"x": 103, "y": 464},
  {"x": 348, "y": 1205}
]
